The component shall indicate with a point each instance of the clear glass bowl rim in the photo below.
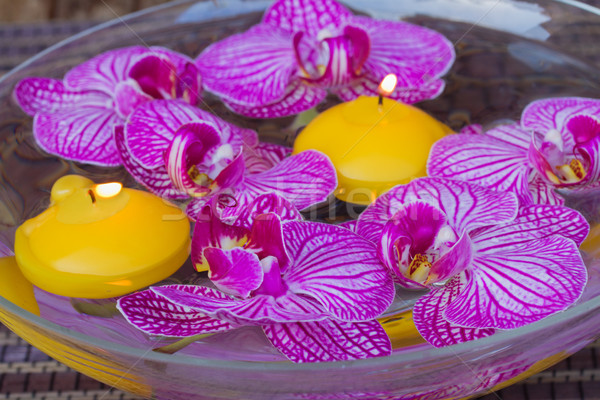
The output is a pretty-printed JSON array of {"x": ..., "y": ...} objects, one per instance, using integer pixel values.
[{"x": 379, "y": 362}]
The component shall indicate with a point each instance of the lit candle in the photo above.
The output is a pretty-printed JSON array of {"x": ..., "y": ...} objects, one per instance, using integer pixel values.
[
  {"x": 374, "y": 144},
  {"x": 101, "y": 241}
]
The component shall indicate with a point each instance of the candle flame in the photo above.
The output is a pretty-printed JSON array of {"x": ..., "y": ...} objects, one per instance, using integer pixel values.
[
  {"x": 387, "y": 85},
  {"x": 108, "y": 190}
]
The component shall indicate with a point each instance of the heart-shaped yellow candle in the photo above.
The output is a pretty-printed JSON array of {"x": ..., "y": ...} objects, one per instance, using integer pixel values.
[
  {"x": 101, "y": 241},
  {"x": 373, "y": 145}
]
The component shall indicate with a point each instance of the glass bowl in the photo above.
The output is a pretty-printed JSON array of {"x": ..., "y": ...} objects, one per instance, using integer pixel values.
[{"x": 509, "y": 53}]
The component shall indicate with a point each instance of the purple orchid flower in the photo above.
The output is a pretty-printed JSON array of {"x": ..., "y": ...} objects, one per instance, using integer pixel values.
[
  {"x": 178, "y": 151},
  {"x": 488, "y": 264},
  {"x": 302, "y": 48},
  {"x": 555, "y": 146},
  {"x": 315, "y": 289},
  {"x": 74, "y": 118}
]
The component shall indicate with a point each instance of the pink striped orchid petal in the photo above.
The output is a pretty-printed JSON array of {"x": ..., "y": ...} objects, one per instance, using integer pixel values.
[
  {"x": 83, "y": 134},
  {"x": 154, "y": 179},
  {"x": 156, "y": 76},
  {"x": 210, "y": 231},
  {"x": 586, "y": 133},
  {"x": 44, "y": 95},
  {"x": 264, "y": 156},
  {"x": 258, "y": 310},
  {"x": 242, "y": 72},
  {"x": 128, "y": 96},
  {"x": 188, "y": 82},
  {"x": 156, "y": 315},
  {"x": 310, "y": 16},
  {"x": 268, "y": 203},
  {"x": 329, "y": 340},
  {"x": 416, "y": 55},
  {"x": 231, "y": 176},
  {"x": 103, "y": 72},
  {"x": 553, "y": 113},
  {"x": 466, "y": 206},
  {"x": 544, "y": 193},
  {"x": 266, "y": 239},
  {"x": 512, "y": 134},
  {"x": 483, "y": 160},
  {"x": 297, "y": 97},
  {"x": 429, "y": 321},
  {"x": 520, "y": 284},
  {"x": 338, "y": 268},
  {"x": 533, "y": 222},
  {"x": 153, "y": 125},
  {"x": 236, "y": 272},
  {"x": 303, "y": 179}
]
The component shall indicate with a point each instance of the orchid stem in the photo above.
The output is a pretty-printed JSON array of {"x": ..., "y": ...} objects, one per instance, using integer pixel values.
[{"x": 174, "y": 347}]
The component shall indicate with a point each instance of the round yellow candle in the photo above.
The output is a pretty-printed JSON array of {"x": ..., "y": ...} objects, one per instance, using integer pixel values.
[
  {"x": 373, "y": 147},
  {"x": 101, "y": 241}
]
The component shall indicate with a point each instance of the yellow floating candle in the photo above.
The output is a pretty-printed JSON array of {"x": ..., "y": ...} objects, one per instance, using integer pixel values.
[
  {"x": 15, "y": 288},
  {"x": 373, "y": 147},
  {"x": 101, "y": 241}
]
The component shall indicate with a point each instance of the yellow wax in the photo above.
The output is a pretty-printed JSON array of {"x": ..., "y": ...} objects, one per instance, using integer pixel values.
[
  {"x": 372, "y": 147},
  {"x": 15, "y": 288},
  {"x": 88, "y": 246}
]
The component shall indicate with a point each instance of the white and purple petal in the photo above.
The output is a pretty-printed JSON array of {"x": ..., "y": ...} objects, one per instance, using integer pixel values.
[
  {"x": 266, "y": 239},
  {"x": 310, "y": 16},
  {"x": 533, "y": 222},
  {"x": 267, "y": 203},
  {"x": 103, "y": 72},
  {"x": 483, "y": 160},
  {"x": 544, "y": 193},
  {"x": 83, "y": 134},
  {"x": 258, "y": 310},
  {"x": 251, "y": 68},
  {"x": 519, "y": 284},
  {"x": 44, "y": 95},
  {"x": 338, "y": 268},
  {"x": 156, "y": 315},
  {"x": 128, "y": 96},
  {"x": 329, "y": 340},
  {"x": 428, "y": 315},
  {"x": 264, "y": 156}
]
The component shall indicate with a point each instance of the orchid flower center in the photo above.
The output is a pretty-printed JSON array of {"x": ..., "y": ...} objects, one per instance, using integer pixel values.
[
  {"x": 556, "y": 164},
  {"x": 332, "y": 60}
]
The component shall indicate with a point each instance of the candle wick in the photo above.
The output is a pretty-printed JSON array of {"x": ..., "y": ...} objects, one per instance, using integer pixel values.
[
  {"x": 92, "y": 195},
  {"x": 380, "y": 102}
]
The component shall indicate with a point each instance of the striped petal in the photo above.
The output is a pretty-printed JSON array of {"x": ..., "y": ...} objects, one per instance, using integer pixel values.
[
  {"x": 251, "y": 68},
  {"x": 465, "y": 205},
  {"x": 266, "y": 239},
  {"x": 267, "y": 203},
  {"x": 297, "y": 97},
  {"x": 543, "y": 193},
  {"x": 236, "y": 272},
  {"x": 103, "y": 72},
  {"x": 83, "y": 134},
  {"x": 310, "y": 16},
  {"x": 428, "y": 315},
  {"x": 520, "y": 284},
  {"x": 329, "y": 340},
  {"x": 533, "y": 222},
  {"x": 338, "y": 268},
  {"x": 153, "y": 125},
  {"x": 483, "y": 160},
  {"x": 44, "y": 95},
  {"x": 128, "y": 96},
  {"x": 553, "y": 113},
  {"x": 154, "y": 179},
  {"x": 303, "y": 179},
  {"x": 258, "y": 310},
  {"x": 156, "y": 315},
  {"x": 512, "y": 134},
  {"x": 264, "y": 156},
  {"x": 188, "y": 82}
]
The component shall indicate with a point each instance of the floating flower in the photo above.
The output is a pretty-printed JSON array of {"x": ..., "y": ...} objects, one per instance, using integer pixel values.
[
  {"x": 302, "y": 48},
  {"x": 74, "y": 118},
  {"x": 177, "y": 151},
  {"x": 556, "y": 146},
  {"x": 488, "y": 264},
  {"x": 313, "y": 288}
]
